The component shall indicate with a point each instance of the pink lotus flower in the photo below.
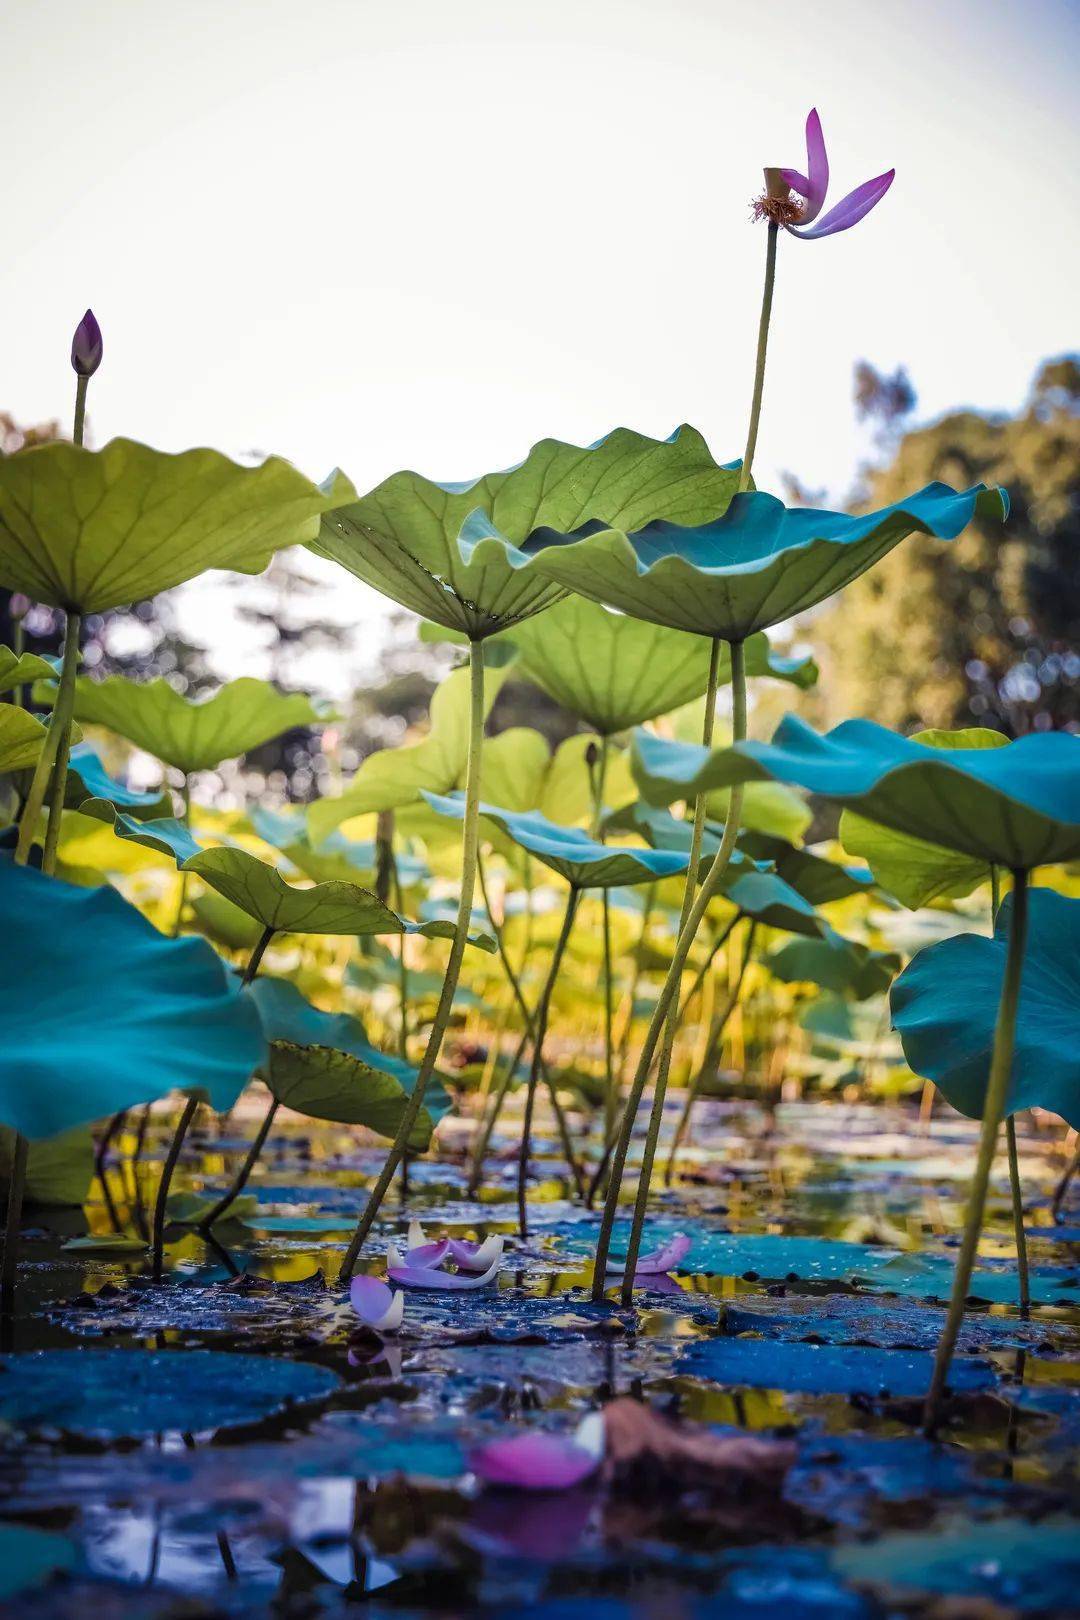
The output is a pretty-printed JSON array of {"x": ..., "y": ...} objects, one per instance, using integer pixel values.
[
  {"x": 475, "y": 1256},
  {"x": 410, "y": 1276},
  {"x": 813, "y": 185},
  {"x": 421, "y": 1264},
  {"x": 542, "y": 1461},
  {"x": 376, "y": 1305}
]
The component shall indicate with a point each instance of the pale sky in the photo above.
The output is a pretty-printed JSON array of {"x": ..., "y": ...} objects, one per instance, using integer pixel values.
[{"x": 389, "y": 233}]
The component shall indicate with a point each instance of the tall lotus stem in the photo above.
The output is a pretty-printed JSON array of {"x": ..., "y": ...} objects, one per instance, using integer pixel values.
[
  {"x": 652, "y": 1135},
  {"x": 542, "y": 1011},
  {"x": 469, "y": 850},
  {"x": 762, "y": 346},
  {"x": 190, "y": 1110},
  {"x": 997, "y": 1091},
  {"x": 1057, "y": 1203},
  {"x": 240, "y": 1180},
  {"x": 669, "y": 990},
  {"x": 1015, "y": 1188}
]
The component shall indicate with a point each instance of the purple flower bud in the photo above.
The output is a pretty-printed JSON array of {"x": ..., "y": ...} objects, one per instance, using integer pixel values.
[{"x": 87, "y": 346}]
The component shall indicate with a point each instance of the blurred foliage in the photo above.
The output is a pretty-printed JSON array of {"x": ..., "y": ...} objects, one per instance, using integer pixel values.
[{"x": 986, "y": 630}]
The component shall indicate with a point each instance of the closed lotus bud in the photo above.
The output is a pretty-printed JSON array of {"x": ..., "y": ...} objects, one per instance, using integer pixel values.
[{"x": 87, "y": 346}]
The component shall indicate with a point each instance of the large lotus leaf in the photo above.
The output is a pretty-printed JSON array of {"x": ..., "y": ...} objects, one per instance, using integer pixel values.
[
  {"x": 100, "y": 1011},
  {"x": 615, "y": 672},
  {"x": 130, "y": 1394},
  {"x": 661, "y": 830},
  {"x": 408, "y": 537},
  {"x": 91, "y": 530},
  {"x": 753, "y": 566},
  {"x": 913, "y": 870},
  {"x": 1017, "y": 806},
  {"x": 59, "y": 1169},
  {"x": 191, "y": 734},
  {"x": 322, "y": 1064},
  {"x": 775, "y": 904},
  {"x": 834, "y": 963},
  {"x": 817, "y": 879},
  {"x": 20, "y": 669},
  {"x": 262, "y": 892},
  {"x": 223, "y": 922},
  {"x": 87, "y": 779},
  {"x": 519, "y": 772},
  {"x": 567, "y": 850},
  {"x": 945, "y": 1004},
  {"x": 21, "y": 737},
  {"x": 394, "y": 777},
  {"x": 767, "y": 807}
]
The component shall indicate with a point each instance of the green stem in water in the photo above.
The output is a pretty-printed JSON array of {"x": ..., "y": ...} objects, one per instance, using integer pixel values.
[
  {"x": 190, "y": 1110},
  {"x": 997, "y": 1091},
  {"x": 19, "y": 1154},
  {"x": 759, "y": 368},
  {"x": 487, "y": 1130},
  {"x": 714, "y": 1049},
  {"x": 1018, "y": 1215},
  {"x": 652, "y": 1135},
  {"x": 1062, "y": 1188},
  {"x": 53, "y": 760},
  {"x": 669, "y": 989},
  {"x": 542, "y": 1010},
  {"x": 240, "y": 1181},
  {"x": 514, "y": 982},
  {"x": 470, "y": 845}
]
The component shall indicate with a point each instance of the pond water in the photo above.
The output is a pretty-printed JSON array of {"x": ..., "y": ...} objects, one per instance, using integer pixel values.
[{"x": 231, "y": 1442}]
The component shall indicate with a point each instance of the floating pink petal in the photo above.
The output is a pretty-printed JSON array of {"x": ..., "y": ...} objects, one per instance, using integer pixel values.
[
  {"x": 661, "y": 1260},
  {"x": 542, "y": 1461},
  {"x": 376, "y": 1304},
  {"x": 475, "y": 1256},
  {"x": 431, "y": 1277},
  {"x": 424, "y": 1257}
]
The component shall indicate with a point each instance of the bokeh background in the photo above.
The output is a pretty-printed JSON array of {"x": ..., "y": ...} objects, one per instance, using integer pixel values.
[{"x": 379, "y": 235}]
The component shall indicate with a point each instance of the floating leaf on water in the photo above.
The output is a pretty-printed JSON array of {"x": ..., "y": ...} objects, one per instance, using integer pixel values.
[{"x": 827, "y": 1369}]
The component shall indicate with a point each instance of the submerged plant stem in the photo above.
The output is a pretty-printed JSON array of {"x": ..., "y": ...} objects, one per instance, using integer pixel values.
[
  {"x": 469, "y": 849},
  {"x": 1018, "y": 1215},
  {"x": 652, "y": 1135},
  {"x": 997, "y": 1090},
  {"x": 542, "y": 1011}
]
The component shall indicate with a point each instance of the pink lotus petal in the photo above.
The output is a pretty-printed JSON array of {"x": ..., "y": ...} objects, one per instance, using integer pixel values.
[
  {"x": 661, "y": 1260},
  {"x": 535, "y": 1462},
  {"x": 813, "y": 185},
  {"x": 375, "y": 1303},
  {"x": 475, "y": 1256},
  {"x": 428, "y": 1255},
  {"x": 432, "y": 1277},
  {"x": 855, "y": 206}
]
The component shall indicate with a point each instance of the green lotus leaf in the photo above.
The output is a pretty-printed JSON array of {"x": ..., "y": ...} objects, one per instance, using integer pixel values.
[
  {"x": 1017, "y": 806},
  {"x": 262, "y": 892},
  {"x": 741, "y": 569},
  {"x": 191, "y": 734},
  {"x": 59, "y": 1169},
  {"x": 845, "y": 966},
  {"x": 336, "y": 859},
  {"x": 406, "y": 537},
  {"x": 90, "y": 530},
  {"x": 107, "y": 1243},
  {"x": 20, "y": 669},
  {"x": 915, "y": 871},
  {"x": 323, "y": 1065},
  {"x": 21, "y": 737},
  {"x": 394, "y": 777},
  {"x": 103, "y": 1012},
  {"x": 188, "y": 1208},
  {"x": 615, "y": 672},
  {"x": 945, "y": 1005},
  {"x": 567, "y": 850},
  {"x": 817, "y": 879},
  {"x": 519, "y": 772},
  {"x": 223, "y": 922}
]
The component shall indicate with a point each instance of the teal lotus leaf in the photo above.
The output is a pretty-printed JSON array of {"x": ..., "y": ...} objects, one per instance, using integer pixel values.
[
  {"x": 323, "y": 1065},
  {"x": 262, "y": 892},
  {"x": 615, "y": 672},
  {"x": 775, "y": 904},
  {"x": 817, "y": 879},
  {"x": 30, "y": 1558},
  {"x": 1017, "y": 806},
  {"x": 743, "y": 569},
  {"x": 88, "y": 780},
  {"x": 103, "y": 1012},
  {"x": 20, "y": 669},
  {"x": 945, "y": 1004},
  {"x": 90, "y": 530},
  {"x": 844, "y": 966},
  {"x": 661, "y": 830},
  {"x": 406, "y": 537},
  {"x": 567, "y": 850},
  {"x": 191, "y": 734}
]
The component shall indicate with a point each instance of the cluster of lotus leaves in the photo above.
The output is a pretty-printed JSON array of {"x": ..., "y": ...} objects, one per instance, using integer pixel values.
[
  {"x": 260, "y": 891},
  {"x": 90, "y": 530},
  {"x": 749, "y": 564},
  {"x": 21, "y": 734},
  {"x": 410, "y": 538},
  {"x": 615, "y": 672},
  {"x": 945, "y": 1006},
  {"x": 191, "y": 734},
  {"x": 1016, "y": 806},
  {"x": 106, "y": 1012}
]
